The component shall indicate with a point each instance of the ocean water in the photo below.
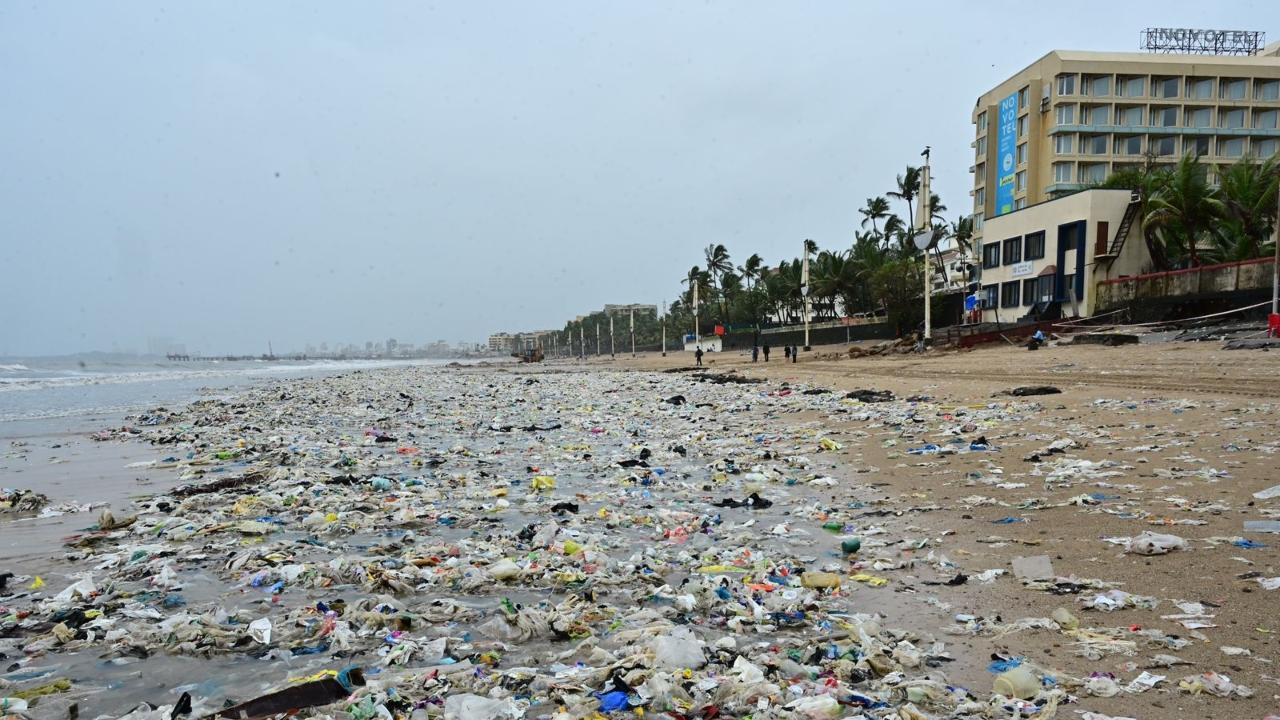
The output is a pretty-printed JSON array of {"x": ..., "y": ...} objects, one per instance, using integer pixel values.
[{"x": 49, "y": 395}]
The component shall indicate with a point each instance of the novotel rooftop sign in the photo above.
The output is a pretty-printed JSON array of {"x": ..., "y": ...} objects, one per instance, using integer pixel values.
[{"x": 1211, "y": 42}]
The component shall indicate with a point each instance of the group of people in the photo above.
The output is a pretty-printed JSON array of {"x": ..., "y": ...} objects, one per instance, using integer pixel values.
[
  {"x": 790, "y": 350},
  {"x": 792, "y": 353}
]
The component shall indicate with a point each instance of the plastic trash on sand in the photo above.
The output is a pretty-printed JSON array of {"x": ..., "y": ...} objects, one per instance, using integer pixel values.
[
  {"x": 1149, "y": 543},
  {"x": 476, "y": 707},
  {"x": 678, "y": 649},
  {"x": 260, "y": 630}
]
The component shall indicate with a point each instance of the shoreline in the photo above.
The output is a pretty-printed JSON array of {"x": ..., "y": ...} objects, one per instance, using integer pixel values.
[{"x": 933, "y": 498}]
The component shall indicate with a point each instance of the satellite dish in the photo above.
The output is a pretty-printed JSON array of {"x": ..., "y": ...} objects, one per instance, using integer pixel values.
[{"x": 924, "y": 239}]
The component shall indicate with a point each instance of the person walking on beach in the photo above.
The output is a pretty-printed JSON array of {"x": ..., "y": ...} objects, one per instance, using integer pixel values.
[
  {"x": 755, "y": 353},
  {"x": 786, "y": 353},
  {"x": 697, "y": 356},
  {"x": 766, "y": 352},
  {"x": 795, "y": 355}
]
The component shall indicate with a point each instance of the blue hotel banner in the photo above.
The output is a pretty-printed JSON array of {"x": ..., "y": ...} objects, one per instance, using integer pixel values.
[{"x": 1006, "y": 142}]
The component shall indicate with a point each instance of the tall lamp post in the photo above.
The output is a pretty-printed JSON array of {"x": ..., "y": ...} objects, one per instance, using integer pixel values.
[
  {"x": 804, "y": 291},
  {"x": 664, "y": 328},
  {"x": 923, "y": 240}
]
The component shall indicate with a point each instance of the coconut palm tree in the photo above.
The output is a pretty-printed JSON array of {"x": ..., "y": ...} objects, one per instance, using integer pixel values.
[
  {"x": 908, "y": 188},
  {"x": 877, "y": 209},
  {"x": 718, "y": 264},
  {"x": 1248, "y": 194},
  {"x": 962, "y": 232},
  {"x": 1185, "y": 208},
  {"x": 751, "y": 269}
]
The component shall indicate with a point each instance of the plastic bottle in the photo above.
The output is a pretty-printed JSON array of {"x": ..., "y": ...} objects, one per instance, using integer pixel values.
[
  {"x": 1017, "y": 682},
  {"x": 851, "y": 545}
]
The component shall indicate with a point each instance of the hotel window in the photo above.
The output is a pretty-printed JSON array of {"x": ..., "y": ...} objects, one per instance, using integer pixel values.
[
  {"x": 1012, "y": 251},
  {"x": 1063, "y": 143},
  {"x": 1022, "y": 180},
  {"x": 1029, "y": 287},
  {"x": 977, "y": 221},
  {"x": 1199, "y": 88},
  {"x": 1266, "y": 119},
  {"x": 980, "y": 147},
  {"x": 1019, "y": 203},
  {"x": 1232, "y": 89},
  {"x": 1098, "y": 85},
  {"x": 980, "y": 172},
  {"x": 1198, "y": 147},
  {"x": 1022, "y": 154},
  {"x": 1062, "y": 172},
  {"x": 1232, "y": 119},
  {"x": 1131, "y": 86},
  {"x": 1009, "y": 294},
  {"x": 1231, "y": 147},
  {"x": 1068, "y": 284},
  {"x": 1129, "y": 116},
  {"x": 1093, "y": 144},
  {"x": 1164, "y": 146},
  {"x": 1164, "y": 117},
  {"x": 990, "y": 294},
  {"x": 982, "y": 121},
  {"x": 1097, "y": 115},
  {"x": 1065, "y": 114},
  {"x": 1263, "y": 149},
  {"x": 1199, "y": 117},
  {"x": 1165, "y": 87},
  {"x": 1067, "y": 84},
  {"x": 1093, "y": 173},
  {"x": 1022, "y": 126},
  {"x": 1022, "y": 98},
  {"x": 1034, "y": 244},
  {"x": 990, "y": 255},
  {"x": 1267, "y": 90},
  {"x": 1129, "y": 145}
]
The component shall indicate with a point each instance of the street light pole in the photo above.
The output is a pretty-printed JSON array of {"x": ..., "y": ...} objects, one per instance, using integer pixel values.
[
  {"x": 664, "y": 328},
  {"x": 804, "y": 291},
  {"x": 612, "y": 346},
  {"x": 597, "y": 338},
  {"x": 582, "y": 340},
  {"x": 633, "y": 332},
  {"x": 925, "y": 223},
  {"x": 1275, "y": 265}
]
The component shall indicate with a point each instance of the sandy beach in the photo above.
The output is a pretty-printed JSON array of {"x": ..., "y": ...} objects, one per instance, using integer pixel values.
[{"x": 404, "y": 492}]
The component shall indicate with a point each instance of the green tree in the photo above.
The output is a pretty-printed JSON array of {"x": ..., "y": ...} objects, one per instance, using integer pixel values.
[
  {"x": 877, "y": 208},
  {"x": 908, "y": 188},
  {"x": 751, "y": 269},
  {"x": 1184, "y": 209},
  {"x": 1248, "y": 195},
  {"x": 717, "y": 257}
]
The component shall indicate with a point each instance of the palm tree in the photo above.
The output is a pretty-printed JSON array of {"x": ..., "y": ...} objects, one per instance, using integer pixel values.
[
  {"x": 1248, "y": 193},
  {"x": 936, "y": 208},
  {"x": 908, "y": 187},
  {"x": 751, "y": 269},
  {"x": 717, "y": 263},
  {"x": 1185, "y": 208},
  {"x": 877, "y": 208},
  {"x": 962, "y": 232}
]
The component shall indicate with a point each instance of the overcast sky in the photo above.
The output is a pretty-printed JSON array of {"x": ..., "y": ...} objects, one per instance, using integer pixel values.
[{"x": 228, "y": 174}]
